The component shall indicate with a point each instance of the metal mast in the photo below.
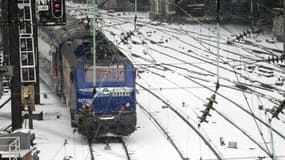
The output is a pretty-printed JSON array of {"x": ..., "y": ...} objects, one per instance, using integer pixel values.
[
  {"x": 35, "y": 35},
  {"x": 136, "y": 10},
  {"x": 218, "y": 39},
  {"x": 27, "y": 56},
  {"x": 94, "y": 43},
  {"x": 13, "y": 50}
]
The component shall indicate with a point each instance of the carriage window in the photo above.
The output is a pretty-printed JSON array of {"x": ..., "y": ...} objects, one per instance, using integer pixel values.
[{"x": 115, "y": 73}]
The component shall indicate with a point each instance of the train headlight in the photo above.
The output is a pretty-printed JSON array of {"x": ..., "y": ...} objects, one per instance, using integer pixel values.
[
  {"x": 106, "y": 91},
  {"x": 123, "y": 107},
  {"x": 128, "y": 104}
]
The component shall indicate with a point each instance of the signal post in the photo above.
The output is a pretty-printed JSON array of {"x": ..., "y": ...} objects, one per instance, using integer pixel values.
[{"x": 22, "y": 49}]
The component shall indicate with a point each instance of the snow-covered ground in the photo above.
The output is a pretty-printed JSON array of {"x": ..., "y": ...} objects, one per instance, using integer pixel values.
[
  {"x": 52, "y": 132},
  {"x": 178, "y": 63},
  {"x": 189, "y": 52}
]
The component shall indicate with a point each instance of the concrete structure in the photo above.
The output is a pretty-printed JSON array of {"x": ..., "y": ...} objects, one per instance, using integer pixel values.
[
  {"x": 230, "y": 10},
  {"x": 118, "y": 5},
  {"x": 278, "y": 25},
  {"x": 162, "y": 9}
]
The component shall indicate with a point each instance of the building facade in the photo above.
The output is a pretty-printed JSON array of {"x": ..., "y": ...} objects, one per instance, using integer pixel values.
[
  {"x": 162, "y": 8},
  {"x": 232, "y": 10},
  {"x": 118, "y": 5}
]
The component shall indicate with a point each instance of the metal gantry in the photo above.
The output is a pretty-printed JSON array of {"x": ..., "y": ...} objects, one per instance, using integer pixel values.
[{"x": 26, "y": 42}]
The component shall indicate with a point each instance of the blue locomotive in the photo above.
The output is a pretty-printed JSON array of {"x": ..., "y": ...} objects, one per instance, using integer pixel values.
[{"x": 71, "y": 76}]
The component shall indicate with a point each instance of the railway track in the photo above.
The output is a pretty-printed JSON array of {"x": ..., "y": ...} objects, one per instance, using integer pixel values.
[
  {"x": 206, "y": 141},
  {"x": 208, "y": 61},
  {"x": 108, "y": 140},
  {"x": 237, "y": 86},
  {"x": 174, "y": 110},
  {"x": 169, "y": 138},
  {"x": 252, "y": 87},
  {"x": 199, "y": 38}
]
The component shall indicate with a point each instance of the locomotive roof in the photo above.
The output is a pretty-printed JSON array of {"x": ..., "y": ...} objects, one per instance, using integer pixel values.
[
  {"x": 73, "y": 29},
  {"x": 70, "y": 36}
]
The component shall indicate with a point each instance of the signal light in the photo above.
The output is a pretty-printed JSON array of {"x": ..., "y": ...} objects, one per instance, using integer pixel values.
[
  {"x": 57, "y": 8},
  {"x": 123, "y": 108},
  {"x": 52, "y": 13}
]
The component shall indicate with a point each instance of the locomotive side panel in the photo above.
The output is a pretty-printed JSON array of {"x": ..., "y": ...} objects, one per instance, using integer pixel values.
[{"x": 114, "y": 108}]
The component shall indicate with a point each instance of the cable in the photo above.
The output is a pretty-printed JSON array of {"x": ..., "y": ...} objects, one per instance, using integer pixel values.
[
  {"x": 244, "y": 158},
  {"x": 243, "y": 131},
  {"x": 4, "y": 103},
  {"x": 255, "y": 121},
  {"x": 218, "y": 155},
  {"x": 156, "y": 123}
]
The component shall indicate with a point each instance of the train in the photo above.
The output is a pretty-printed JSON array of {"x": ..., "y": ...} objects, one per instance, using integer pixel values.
[{"x": 68, "y": 70}]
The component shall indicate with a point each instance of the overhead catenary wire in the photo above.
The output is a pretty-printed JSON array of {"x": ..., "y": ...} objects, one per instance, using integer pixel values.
[
  {"x": 244, "y": 158},
  {"x": 265, "y": 150},
  {"x": 259, "y": 130},
  {"x": 258, "y": 127},
  {"x": 197, "y": 20},
  {"x": 253, "y": 62},
  {"x": 155, "y": 121},
  {"x": 4, "y": 103},
  {"x": 240, "y": 107},
  {"x": 243, "y": 131},
  {"x": 255, "y": 121},
  {"x": 218, "y": 155}
]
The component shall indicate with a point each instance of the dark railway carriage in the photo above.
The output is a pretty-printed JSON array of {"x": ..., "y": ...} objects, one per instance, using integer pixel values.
[{"x": 114, "y": 108}]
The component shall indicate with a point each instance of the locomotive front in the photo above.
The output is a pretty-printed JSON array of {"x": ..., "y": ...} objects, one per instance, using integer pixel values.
[{"x": 114, "y": 107}]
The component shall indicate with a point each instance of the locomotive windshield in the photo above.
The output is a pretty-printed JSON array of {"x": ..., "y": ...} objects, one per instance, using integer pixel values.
[{"x": 114, "y": 73}]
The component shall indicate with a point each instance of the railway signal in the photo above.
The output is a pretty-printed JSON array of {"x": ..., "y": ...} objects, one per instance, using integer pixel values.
[
  {"x": 52, "y": 12},
  {"x": 57, "y": 8}
]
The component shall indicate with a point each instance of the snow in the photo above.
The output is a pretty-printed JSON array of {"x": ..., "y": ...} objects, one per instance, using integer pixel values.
[
  {"x": 175, "y": 46},
  {"x": 164, "y": 49},
  {"x": 55, "y": 130}
]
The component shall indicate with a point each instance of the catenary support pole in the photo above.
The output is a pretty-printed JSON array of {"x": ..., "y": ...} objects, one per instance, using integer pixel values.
[
  {"x": 136, "y": 10},
  {"x": 94, "y": 43},
  {"x": 218, "y": 39},
  {"x": 35, "y": 35},
  {"x": 14, "y": 60}
]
